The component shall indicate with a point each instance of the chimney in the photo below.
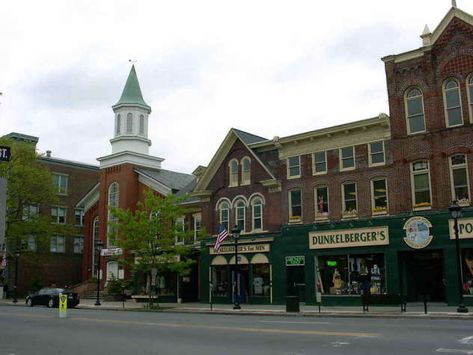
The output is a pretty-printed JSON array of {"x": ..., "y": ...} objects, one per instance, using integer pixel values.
[{"x": 48, "y": 154}]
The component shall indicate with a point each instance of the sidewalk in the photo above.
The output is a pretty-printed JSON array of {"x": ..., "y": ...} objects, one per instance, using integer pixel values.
[{"x": 414, "y": 310}]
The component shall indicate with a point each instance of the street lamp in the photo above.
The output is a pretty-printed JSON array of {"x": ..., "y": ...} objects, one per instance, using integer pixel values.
[
  {"x": 17, "y": 256},
  {"x": 456, "y": 212},
  {"x": 98, "y": 249},
  {"x": 236, "y": 234}
]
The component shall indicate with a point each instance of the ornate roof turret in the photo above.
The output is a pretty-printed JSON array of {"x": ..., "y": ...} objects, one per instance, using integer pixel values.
[{"x": 131, "y": 95}]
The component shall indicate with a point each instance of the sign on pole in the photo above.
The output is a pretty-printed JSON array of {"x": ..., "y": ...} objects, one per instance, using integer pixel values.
[
  {"x": 111, "y": 252},
  {"x": 5, "y": 153},
  {"x": 62, "y": 305}
]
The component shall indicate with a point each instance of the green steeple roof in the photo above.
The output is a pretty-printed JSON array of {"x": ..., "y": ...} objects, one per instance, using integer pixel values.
[{"x": 131, "y": 94}]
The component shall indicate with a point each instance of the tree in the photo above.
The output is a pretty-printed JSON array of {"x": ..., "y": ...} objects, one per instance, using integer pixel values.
[
  {"x": 149, "y": 233},
  {"x": 29, "y": 187}
]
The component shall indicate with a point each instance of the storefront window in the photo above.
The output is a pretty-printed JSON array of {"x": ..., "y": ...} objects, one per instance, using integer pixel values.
[
  {"x": 467, "y": 258},
  {"x": 260, "y": 280},
  {"x": 220, "y": 281},
  {"x": 351, "y": 274},
  {"x": 167, "y": 283}
]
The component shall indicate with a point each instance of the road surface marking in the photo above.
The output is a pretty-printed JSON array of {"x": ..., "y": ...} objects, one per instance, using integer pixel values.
[
  {"x": 338, "y": 344},
  {"x": 454, "y": 351},
  {"x": 286, "y": 322},
  {"x": 467, "y": 340}
]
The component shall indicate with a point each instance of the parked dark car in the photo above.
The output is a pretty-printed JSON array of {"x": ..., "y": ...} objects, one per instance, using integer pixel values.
[{"x": 49, "y": 296}]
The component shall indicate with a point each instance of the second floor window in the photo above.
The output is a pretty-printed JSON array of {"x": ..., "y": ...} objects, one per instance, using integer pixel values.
[
  {"x": 245, "y": 171},
  {"x": 78, "y": 245},
  {"x": 197, "y": 218},
  {"x": 320, "y": 162},
  {"x": 30, "y": 212},
  {"x": 257, "y": 212},
  {"x": 347, "y": 158},
  {"x": 321, "y": 202},
  {"x": 60, "y": 183},
  {"x": 79, "y": 217},
  {"x": 459, "y": 179},
  {"x": 379, "y": 196},
  {"x": 294, "y": 167},
  {"x": 295, "y": 205},
  {"x": 57, "y": 244},
  {"x": 240, "y": 208},
  {"x": 58, "y": 214},
  {"x": 415, "y": 111},
  {"x": 224, "y": 214},
  {"x": 452, "y": 102},
  {"x": 376, "y": 150},
  {"x": 420, "y": 177},
  {"x": 180, "y": 230}
]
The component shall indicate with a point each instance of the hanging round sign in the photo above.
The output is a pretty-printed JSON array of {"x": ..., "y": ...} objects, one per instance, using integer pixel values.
[{"x": 418, "y": 232}]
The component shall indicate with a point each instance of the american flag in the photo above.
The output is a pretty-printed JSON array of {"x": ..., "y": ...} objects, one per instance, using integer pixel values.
[{"x": 222, "y": 234}]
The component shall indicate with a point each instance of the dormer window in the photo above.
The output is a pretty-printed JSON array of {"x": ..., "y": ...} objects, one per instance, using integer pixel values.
[
  {"x": 415, "y": 111},
  {"x": 129, "y": 123},
  {"x": 245, "y": 171},
  {"x": 233, "y": 170},
  {"x": 452, "y": 103}
]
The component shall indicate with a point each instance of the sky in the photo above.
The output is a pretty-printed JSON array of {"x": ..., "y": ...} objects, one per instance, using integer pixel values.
[{"x": 271, "y": 68}]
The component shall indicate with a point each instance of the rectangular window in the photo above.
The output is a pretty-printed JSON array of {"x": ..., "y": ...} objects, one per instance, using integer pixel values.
[
  {"x": 58, "y": 244},
  {"x": 58, "y": 215},
  {"x": 294, "y": 167},
  {"x": 467, "y": 263},
  {"x": 79, "y": 217},
  {"x": 197, "y": 225},
  {"x": 78, "y": 245},
  {"x": 180, "y": 230},
  {"x": 30, "y": 212},
  {"x": 420, "y": 177},
  {"x": 60, "y": 183},
  {"x": 376, "y": 151},
  {"x": 31, "y": 243},
  {"x": 240, "y": 215},
  {"x": 295, "y": 205},
  {"x": 320, "y": 162},
  {"x": 351, "y": 274},
  {"x": 261, "y": 280},
  {"x": 459, "y": 179},
  {"x": 349, "y": 200},
  {"x": 224, "y": 218},
  {"x": 347, "y": 158},
  {"x": 379, "y": 196},
  {"x": 257, "y": 216},
  {"x": 321, "y": 202}
]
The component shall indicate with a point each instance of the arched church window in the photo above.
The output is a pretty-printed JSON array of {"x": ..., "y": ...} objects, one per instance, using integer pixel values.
[
  {"x": 129, "y": 123},
  {"x": 142, "y": 124},
  {"x": 113, "y": 201},
  {"x": 118, "y": 125}
]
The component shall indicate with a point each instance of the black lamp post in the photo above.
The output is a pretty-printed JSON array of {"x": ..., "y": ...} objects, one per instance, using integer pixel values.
[
  {"x": 236, "y": 234},
  {"x": 456, "y": 212},
  {"x": 98, "y": 249},
  {"x": 17, "y": 256}
]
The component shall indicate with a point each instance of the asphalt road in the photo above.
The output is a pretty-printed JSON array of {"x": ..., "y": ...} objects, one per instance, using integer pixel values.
[{"x": 39, "y": 331}]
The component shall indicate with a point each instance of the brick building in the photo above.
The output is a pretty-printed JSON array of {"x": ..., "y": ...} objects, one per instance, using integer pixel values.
[{"x": 361, "y": 207}]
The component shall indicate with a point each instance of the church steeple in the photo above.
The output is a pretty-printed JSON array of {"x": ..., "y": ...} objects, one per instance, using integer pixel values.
[{"x": 131, "y": 94}]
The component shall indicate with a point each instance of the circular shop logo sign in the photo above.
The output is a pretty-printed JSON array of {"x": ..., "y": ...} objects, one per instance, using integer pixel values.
[{"x": 418, "y": 232}]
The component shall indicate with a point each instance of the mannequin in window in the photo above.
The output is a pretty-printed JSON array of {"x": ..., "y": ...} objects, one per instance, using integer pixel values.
[{"x": 337, "y": 281}]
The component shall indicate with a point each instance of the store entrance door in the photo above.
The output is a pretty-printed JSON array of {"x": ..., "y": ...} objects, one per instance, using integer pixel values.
[
  {"x": 295, "y": 276},
  {"x": 242, "y": 284},
  {"x": 421, "y": 273}
]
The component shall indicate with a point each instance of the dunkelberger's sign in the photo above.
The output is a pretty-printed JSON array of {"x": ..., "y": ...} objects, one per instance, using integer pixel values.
[{"x": 349, "y": 238}]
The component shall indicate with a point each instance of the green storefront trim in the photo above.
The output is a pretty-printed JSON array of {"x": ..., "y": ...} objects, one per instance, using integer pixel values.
[{"x": 294, "y": 241}]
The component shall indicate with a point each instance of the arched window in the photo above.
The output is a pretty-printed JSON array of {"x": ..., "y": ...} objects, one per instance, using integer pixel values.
[
  {"x": 470, "y": 95},
  {"x": 224, "y": 214},
  {"x": 95, "y": 239},
  {"x": 113, "y": 200},
  {"x": 452, "y": 102},
  {"x": 257, "y": 213},
  {"x": 142, "y": 124},
  {"x": 245, "y": 171},
  {"x": 129, "y": 123},
  {"x": 240, "y": 208},
  {"x": 415, "y": 111},
  {"x": 233, "y": 166},
  {"x": 119, "y": 122}
]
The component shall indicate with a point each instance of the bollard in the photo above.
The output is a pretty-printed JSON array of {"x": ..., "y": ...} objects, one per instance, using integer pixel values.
[
  {"x": 62, "y": 305},
  {"x": 425, "y": 303}
]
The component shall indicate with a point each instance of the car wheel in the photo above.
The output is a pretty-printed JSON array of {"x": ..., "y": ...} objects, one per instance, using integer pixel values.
[
  {"x": 50, "y": 303},
  {"x": 29, "y": 302}
]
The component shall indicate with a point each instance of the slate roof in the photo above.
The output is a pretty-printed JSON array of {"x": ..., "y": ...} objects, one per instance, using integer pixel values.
[
  {"x": 174, "y": 180},
  {"x": 248, "y": 138}
]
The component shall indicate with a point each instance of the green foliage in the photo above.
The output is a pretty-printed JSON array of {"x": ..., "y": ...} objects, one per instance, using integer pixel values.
[{"x": 150, "y": 232}]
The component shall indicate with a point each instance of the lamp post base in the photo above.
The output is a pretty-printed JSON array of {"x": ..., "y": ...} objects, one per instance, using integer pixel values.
[
  {"x": 236, "y": 306},
  {"x": 462, "y": 309},
  {"x": 97, "y": 303}
]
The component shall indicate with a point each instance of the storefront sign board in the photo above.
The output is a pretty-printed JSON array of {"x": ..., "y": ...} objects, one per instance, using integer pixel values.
[
  {"x": 465, "y": 228},
  {"x": 349, "y": 238},
  {"x": 418, "y": 234},
  {"x": 242, "y": 248}
]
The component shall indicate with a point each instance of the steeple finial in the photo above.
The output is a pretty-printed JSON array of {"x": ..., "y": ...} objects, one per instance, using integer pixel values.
[
  {"x": 426, "y": 36},
  {"x": 454, "y": 3}
]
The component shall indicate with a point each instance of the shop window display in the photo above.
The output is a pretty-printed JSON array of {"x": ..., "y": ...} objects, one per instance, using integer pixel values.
[
  {"x": 261, "y": 280},
  {"x": 220, "y": 281},
  {"x": 467, "y": 257},
  {"x": 351, "y": 274}
]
